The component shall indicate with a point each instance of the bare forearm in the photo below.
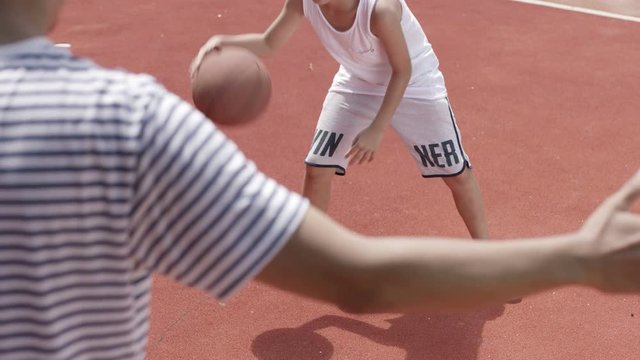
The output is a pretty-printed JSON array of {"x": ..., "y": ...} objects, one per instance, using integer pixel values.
[
  {"x": 392, "y": 98},
  {"x": 328, "y": 262},
  {"x": 261, "y": 44},
  {"x": 253, "y": 42},
  {"x": 416, "y": 274}
]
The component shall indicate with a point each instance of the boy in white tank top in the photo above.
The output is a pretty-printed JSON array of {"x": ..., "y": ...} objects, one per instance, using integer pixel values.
[{"x": 388, "y": 76}]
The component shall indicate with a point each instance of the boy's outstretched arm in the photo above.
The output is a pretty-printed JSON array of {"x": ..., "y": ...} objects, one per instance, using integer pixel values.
[
  {"x": 386, "y": 25},
  {"x": 261, "y": 44},
  {"x": 326, "y": 261}
]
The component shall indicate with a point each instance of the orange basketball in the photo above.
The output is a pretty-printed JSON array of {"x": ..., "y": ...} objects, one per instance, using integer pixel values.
[{"x": 232, "y": 86}]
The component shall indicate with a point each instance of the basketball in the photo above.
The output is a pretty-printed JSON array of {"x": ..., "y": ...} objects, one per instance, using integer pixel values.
[{"x": 232, "y": 86}]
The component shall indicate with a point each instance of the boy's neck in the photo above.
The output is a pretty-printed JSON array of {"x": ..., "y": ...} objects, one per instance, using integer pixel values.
[{"x": 12, "y": 35}]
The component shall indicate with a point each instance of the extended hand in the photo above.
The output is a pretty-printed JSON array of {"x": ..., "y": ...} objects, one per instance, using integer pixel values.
[
  {"x": 613, "y": 235},
  {"x": 212, "y": 44},
  {"x": 364, "y": 146}
]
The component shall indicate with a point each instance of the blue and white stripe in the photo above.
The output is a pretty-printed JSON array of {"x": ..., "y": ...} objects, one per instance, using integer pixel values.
[{"x": 105, "y": 178}]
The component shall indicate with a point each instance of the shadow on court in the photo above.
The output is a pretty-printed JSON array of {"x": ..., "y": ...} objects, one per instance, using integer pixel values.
[{"x": 426, "y": 337}]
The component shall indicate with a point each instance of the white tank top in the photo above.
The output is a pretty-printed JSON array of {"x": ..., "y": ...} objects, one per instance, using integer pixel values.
[{"x": 364, "y": 67}]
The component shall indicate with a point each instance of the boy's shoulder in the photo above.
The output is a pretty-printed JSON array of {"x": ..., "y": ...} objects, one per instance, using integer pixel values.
[{"x": 387, "y": 6}]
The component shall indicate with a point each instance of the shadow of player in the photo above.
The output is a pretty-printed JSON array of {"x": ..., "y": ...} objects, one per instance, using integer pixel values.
[{"x": 432, "y": 336}]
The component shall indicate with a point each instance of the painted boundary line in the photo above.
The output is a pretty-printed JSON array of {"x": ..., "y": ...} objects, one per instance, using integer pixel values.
[{"x": 581, "y": 10}]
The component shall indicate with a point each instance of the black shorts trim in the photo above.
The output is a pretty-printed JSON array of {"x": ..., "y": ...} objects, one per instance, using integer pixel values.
[
  {"x": 464, "y": 167},
  {"x": 466, "y": 164},
  {"x": 455, "y": 129},
  {"x": 340, "y": 171}
]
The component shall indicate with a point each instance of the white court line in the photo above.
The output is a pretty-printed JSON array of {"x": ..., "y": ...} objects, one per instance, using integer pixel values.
[{"x": 581, "y": 10}]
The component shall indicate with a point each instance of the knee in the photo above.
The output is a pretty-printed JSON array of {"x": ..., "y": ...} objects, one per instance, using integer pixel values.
[
  {"x": 460, "y": 181},
  {"x": 317, "y": 174}
]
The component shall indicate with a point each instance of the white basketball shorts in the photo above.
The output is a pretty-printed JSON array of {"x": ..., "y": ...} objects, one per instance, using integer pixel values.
[{"x": 427, "y": 127}]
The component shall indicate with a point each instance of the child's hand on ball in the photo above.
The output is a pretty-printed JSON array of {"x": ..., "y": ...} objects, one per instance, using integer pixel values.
[{"x": 214, "y": 43}]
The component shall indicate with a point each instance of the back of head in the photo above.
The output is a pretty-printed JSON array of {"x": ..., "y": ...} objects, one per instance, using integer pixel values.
[{"x": 21, "y": 19}]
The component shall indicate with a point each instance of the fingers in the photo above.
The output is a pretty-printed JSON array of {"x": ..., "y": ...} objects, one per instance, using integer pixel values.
[
  {"x": 195, "y": 64},
  {"x": 358, "y": 155},
  {"x": 629, "y": 192},
  {"x": 626, "y": 195},
  {"x": 629, "y": 222},
  {"x": 207, "y": 48},
  {"x": 626, "y": 226},
  {"x": 618, "y": 259}
]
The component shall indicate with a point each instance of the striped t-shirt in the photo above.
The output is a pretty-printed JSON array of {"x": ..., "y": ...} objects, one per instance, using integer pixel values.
[{"x": 105, "y": 178}]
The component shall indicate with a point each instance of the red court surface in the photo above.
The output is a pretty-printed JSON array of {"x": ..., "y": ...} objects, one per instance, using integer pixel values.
[{"x": 547, "y": 101}]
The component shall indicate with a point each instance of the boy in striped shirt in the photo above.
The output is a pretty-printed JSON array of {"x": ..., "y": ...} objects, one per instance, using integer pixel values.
[{"x": 107, "y": 178}]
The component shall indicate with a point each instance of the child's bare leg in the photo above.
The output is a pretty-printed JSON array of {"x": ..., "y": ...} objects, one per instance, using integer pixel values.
[
  {"x": 317, "y": 186},
  {"x": 466, "y": 194},
  {"x": 468, "y": 198}
]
